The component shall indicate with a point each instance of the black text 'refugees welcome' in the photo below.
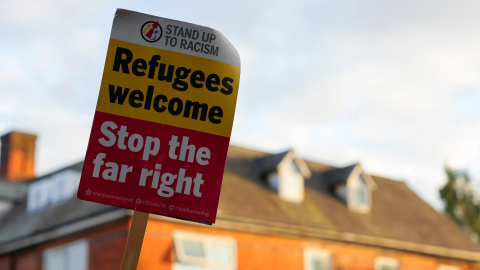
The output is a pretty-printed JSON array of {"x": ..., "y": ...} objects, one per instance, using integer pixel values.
[
  {"x": 123, "y": 63},
  {"x": 181, "y": 78}
]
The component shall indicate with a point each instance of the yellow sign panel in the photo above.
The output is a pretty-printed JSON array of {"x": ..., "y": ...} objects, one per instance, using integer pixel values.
[{"x": 168, "y": 87}]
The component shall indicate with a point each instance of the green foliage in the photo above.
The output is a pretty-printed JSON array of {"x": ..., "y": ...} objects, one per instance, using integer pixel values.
[{"x": 461, "y": 202}]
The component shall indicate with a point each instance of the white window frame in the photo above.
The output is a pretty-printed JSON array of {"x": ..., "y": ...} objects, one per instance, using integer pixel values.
[
  {"x": 291, "y": 186},
  {"x": 353, "y": 187},
  {"x": 448, "y": 267},
  {"x": 73, "y": 256},
  {"x": 323, "y": 255},
  {"x": 288, "y": 182},
  {"x": 386, "y": 261},
  {"x": 207, "y": 241}
]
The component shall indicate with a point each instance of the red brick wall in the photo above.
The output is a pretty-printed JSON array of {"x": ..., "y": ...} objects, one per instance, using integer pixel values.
[
  {"x": 5, "y": 262},
  {"x": 272, "y": 252},
  {"x": 105, "y": 244}
]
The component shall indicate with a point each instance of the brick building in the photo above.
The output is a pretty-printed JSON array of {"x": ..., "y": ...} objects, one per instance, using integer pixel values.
[{"x": 276, "y": 211}]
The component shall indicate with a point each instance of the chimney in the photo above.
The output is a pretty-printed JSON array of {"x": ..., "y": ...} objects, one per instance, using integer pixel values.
[{"x": 17, "y": 158}]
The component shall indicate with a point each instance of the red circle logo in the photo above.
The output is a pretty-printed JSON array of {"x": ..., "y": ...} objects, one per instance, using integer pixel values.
[{"x": 151, "y": 31}]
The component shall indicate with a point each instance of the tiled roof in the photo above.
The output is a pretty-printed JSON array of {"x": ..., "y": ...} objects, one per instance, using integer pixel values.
[{"x": 397, "y": 213}]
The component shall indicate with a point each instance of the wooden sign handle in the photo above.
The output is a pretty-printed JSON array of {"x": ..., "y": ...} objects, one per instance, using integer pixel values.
[{"x": 134, "y": 241}]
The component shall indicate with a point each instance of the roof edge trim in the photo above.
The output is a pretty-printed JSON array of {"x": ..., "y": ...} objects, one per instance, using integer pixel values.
[
  {"x": 62, "y": 231},
  {"x": 274, "y": 228}
]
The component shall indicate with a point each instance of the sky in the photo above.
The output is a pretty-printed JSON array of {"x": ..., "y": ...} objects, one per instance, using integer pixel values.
[{"x": 393, "y": 85}]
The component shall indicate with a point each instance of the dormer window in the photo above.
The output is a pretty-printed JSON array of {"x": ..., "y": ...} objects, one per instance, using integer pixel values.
[
  {"x": 52, "y": 190},
  {"x": 358, "y": 195},
  {"x": 285, "y": 174},
  {"x": 288, "y": 182},
  {"x": 352, "y": 186}
]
